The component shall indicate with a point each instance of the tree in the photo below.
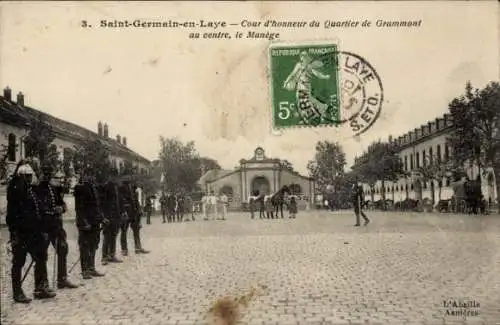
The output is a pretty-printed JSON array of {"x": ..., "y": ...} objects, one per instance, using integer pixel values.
[
  {"x": 435, "y": 169},
  {"x": 94, "y": 156},
  {"x": 380, "y": 162},
  {"x": 285, "y": 164},
  {"x": 38, "y": 143},
  {"x": 207, "y": 164},
  {"x": 328, "y": 163},
  {"x": 475, "y": 137},
  {"x": 3, "y": 162},
  {"x": 180, "y": 164}
]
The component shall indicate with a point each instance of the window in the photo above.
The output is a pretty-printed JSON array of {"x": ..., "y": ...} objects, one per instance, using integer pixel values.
[
  {"x": 417, "y": 158},
  {"x": 11, "y": 149},
  {"x": 440, "y": 183},
  {"x": 406, "y": 163},
  {"x": 446, "y": 152},
  {"x": 447, "y": 182},
  {"x": 411, "y": 161},
  {"x": 425, "y": 185},
  {"x": 438, "y": 153},
  {"x": 411, "y": 187},
  {"x": 424, "y": 159},
  {"x": 431, "y": 159}
]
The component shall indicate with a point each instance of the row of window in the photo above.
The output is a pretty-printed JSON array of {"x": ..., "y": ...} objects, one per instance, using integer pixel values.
[
  {"x": 67, "y": 152},
  {"x": 401, "y": 188},
  {"x": 416, "y": 161}
]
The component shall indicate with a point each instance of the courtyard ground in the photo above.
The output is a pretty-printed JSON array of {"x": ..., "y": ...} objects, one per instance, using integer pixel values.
[{"x": 316, "y": 269}]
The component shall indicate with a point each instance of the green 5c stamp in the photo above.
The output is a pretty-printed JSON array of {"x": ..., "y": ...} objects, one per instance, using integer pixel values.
[
  {"x": 318, "y": 85},
  {"x": 304, "y": 85}
]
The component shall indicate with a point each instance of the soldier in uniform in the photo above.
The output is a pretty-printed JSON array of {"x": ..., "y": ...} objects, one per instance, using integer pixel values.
[
  {"x": 114, "y": 211},
  {"x": 89, "y": 218},
  {"x": 357, "y": 202},
  {"x": 133, "y": 210},
  {"x": 163, "y": 206},
  {"x": 179, "y": 207},
  {"x": 26, "y": 234},
  {"x": 148, "y": 208},
  {"x": 171, "y": 207},
  {"x": 52, "y": 206}
]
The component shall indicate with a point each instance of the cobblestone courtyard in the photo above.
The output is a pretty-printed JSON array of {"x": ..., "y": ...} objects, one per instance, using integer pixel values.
[{"x": 317, "y": 269}]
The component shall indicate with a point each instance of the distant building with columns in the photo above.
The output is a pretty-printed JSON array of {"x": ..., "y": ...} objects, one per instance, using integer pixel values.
[
  {"x": 417, "y": 148},
  {"x": 259, "y": 173}
]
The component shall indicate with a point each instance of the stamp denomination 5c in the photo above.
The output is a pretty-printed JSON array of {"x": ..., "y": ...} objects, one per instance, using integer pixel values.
[
  {"x": 304, "y": 85},
  {"x": 318, "y": 85}
]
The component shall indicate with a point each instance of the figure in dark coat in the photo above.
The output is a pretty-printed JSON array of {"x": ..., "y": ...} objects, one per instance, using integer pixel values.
[
  {"x": 26, "y": 234},
  {"x": 114, "y": 211},
  {"x": 52, "y": 207},
  {"x": 134, "y": 214},
  {"x": 357, "y": 201},
  {"x": 89, "y": 219}
]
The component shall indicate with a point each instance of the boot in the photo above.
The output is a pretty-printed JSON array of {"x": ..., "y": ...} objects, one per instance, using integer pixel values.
[
  {"x": 86, "y": 275},
  {"x": 114, "y": 260},
  {"x": 105, "y": 260},
  {"x": 141, "y": 251},
  {"x": 65, "y": 284},
  {"x": 44, "y": 293},
  {"x": 94, "y": 273},
  {"x": 20, "y": 297}
]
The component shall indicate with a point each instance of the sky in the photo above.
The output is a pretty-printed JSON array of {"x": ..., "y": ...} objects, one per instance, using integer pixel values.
[{"x": 147, "y": 83}]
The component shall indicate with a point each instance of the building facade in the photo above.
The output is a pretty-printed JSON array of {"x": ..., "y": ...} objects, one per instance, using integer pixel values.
[
  {"x": 417, "y": 148},
  {"x": 260, "y": 173},
  {"x": 15, "y": 117}
]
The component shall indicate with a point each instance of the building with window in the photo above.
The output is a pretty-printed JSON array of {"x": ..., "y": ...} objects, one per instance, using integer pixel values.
[
  {"x": 416, "y": 149},
  {"x": 260, "y": 173},
  {"x": 15, "y": 117}
]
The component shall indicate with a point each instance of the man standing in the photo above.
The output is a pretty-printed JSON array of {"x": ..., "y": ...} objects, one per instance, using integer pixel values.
[
  {"x": 26, "y": 234},
  {"x": 133, "y": 210},
  {"x": 88, "y": 221},
  {"x": 163, "y": 206},
  {"x": 114, "y": 212},
  {"x": 170, "y": 207},
  {"x": 179, "y": 207},
  {"x": 224, "y": 202},
  {"x": 52, "y": 206},
  {"x": 357, "y": 201}
]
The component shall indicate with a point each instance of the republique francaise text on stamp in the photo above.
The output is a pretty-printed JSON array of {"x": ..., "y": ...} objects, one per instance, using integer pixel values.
[{"x": 318, "y": 85}]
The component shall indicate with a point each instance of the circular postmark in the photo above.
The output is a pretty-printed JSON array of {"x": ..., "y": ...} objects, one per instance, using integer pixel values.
[{"x": 356, "y": 101}]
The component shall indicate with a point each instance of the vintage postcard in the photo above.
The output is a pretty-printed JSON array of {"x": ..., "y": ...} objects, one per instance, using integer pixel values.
[{"x": 259, "y": 163}]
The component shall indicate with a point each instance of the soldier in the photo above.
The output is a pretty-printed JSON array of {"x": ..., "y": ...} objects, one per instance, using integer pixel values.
[
  {"x": 224, "y": 203},
  {"x": 163, "y": 206},
  {"x": 89, "y": 218},
  {"x": 357, "y": 202},
  {"x": 26, "y": 234},
  {"x": 179, "y": 207},
  {"x": 133, "y": 210},
  {"x": 170, "y": 207},
  {"x": 115, "y": 213},
  {"x": 52, "y": 206},
  {"x": 148, "y": 209}
]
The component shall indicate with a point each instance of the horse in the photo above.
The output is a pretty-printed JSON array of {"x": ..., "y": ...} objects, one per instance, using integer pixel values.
[{"x": 278, "y": 200}]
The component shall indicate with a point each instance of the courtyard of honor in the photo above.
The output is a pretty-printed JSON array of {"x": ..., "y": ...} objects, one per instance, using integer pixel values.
[{"x": 403, "y": 268}]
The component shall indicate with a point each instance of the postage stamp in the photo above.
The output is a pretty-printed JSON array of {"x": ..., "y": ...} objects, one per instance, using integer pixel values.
[{"x": 319, "y": 85}]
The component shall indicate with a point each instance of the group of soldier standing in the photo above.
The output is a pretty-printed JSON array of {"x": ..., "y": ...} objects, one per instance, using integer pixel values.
[{"x": 34, "y": 220}]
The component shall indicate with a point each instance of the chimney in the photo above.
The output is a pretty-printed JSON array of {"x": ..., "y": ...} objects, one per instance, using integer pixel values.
[
  {"x": 99, "y": 128},
  {"x": 106, "y": 130},
  {"x": 124, "y": 141},
  {"x": 20, "y": 99},
  {"x": 7, "y": 93},
  {"x": 118, "y": 139}
]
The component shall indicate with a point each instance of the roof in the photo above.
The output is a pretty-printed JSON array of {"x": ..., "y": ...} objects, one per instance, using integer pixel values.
[
  {"x": 18, "y": 115},
  {"x": 215, "y": 174}
]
